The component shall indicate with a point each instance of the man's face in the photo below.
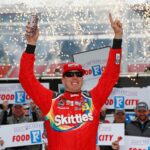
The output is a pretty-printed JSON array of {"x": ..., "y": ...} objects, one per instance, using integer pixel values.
[
  {"x": 119, "y": 117},
  {"x": 142, "y": 114},
  {"x": 73, "y": 81},
  {"x": 18, "y": 111}
]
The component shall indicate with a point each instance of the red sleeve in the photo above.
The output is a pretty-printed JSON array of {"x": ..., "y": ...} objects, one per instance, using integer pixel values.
[
  {"x": 108, "y": 79},
  {"x": 40, "y": 95}
]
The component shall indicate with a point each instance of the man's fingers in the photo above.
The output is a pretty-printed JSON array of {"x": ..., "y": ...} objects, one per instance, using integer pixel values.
[
  {"x": 119, "y": 24},
  {"x": 115, "y": 144},
  {"x": 29, "y": 33},
  {"x": 110, "y": 18}
]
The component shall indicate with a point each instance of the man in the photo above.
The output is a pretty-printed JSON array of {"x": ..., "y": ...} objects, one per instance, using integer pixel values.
[
  {"x": 141, "y": 125},
  {"x": 119, "y": 117},
  {"x": 6, "y": 111},
  {"x": 18, "y": 116},
  {"x": 72, "y": 117}
]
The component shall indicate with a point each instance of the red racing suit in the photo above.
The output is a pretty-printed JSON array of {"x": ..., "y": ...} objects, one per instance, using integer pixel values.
[{"x": 72, "y": 118}]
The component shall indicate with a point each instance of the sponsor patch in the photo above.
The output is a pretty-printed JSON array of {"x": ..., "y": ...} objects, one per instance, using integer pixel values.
[
  {"x": 77, "y": 103},
  {"x": 61, "y": 103},
  {"x": 117, "y": 58},
  {"x": 69, "y": 103},
  {"x": 78, "y": 108}
]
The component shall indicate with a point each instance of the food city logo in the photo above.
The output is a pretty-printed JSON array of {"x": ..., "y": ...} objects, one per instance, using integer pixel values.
[
  {"x": 17, "y": 96},
  {"x": 35, "y": 136},
  {"x": 121, "y": 102},
  {"x": 95, "y": 70}
]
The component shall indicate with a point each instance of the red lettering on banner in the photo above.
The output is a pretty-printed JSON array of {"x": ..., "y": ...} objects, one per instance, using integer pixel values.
[
  {"x": 7, "y": 96},
  {"x": 18, "y": 138},
  {"x": 105, "y": 137},
  {"x": 131, "y": 102},
  {"x": 109, "y": 102},
  {"x": 88, "y": 72}
]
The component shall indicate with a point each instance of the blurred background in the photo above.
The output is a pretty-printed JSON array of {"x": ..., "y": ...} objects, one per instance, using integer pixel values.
[{"x": 72, "y": 26}]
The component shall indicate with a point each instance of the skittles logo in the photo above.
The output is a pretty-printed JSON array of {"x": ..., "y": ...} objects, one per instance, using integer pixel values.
[{"x": 64, "y": 123}]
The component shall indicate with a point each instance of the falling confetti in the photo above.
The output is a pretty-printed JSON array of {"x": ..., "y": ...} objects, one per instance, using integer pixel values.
[{"x": 72, "y": 26}]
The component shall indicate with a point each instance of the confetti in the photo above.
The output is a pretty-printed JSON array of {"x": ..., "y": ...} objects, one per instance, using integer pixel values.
[{"x": 72, "y": 26}]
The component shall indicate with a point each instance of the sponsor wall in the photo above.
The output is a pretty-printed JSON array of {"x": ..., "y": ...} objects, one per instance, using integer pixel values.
[
  {"x": 124, "y": 98},
  {"x": 32, "y": 134},
  {"x": 127, "y": 98},
  {"x": 136, "y": 143},
  {"x": 14, "y": 93},
  {"x": 22, "y": 134}
]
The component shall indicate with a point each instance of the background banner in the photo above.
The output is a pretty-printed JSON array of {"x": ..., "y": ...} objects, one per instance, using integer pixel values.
[
  {"x": 22, "y": 134},
  {"x": 108, "y": 133},
  {"x": 127, "y": 98},
  {"x": 14, "y": 93},
  {"x": 136, "y": 143}
]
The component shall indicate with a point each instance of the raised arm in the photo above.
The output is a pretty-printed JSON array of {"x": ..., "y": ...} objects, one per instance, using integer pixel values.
[
  {"x": 40, "y": 95},
  {"x": 110, "y": 76}
]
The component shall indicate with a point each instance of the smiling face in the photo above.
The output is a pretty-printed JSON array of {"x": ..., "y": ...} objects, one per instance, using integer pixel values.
[
  {"x": 73, "y": 82},
  {"x": 142, "y": 114}
]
